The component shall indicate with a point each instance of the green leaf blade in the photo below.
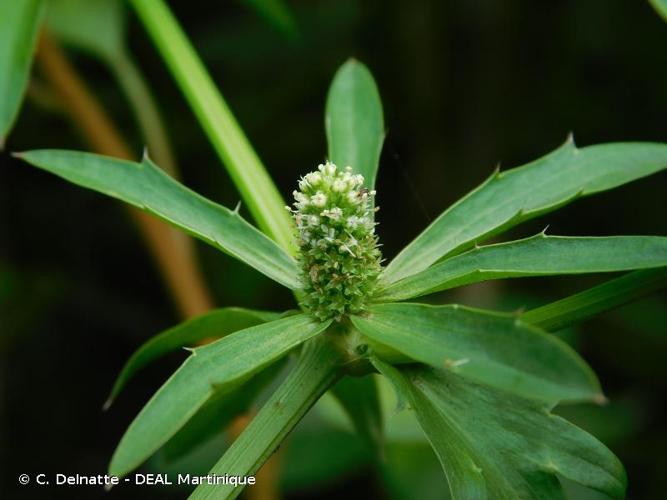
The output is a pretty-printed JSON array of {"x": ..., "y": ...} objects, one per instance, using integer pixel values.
[
  {"x": 211, "y": 325},
  {"x": 540, "y": 255},
  {"x": 318, "y": 368},
  {"x": 354, "y": 121},
  {"x": 588, "y": 303},
  {"x": 148, "y": 188},
  {"x": 465, "y": 478},
  {"x": 252, "y": 180},
  {"x": 517, "y": 444},
  {"x": 359, "y": 398},
  {"x": 20, "y": 21},
  {"x": 220, "y": 365},
  {"x": 492, "y": 348},
  {"x": 511, "y": 197}
]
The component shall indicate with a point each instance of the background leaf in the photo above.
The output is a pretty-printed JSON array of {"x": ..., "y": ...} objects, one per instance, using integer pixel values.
[
  {"x": 277, "y": 13},
  {"x": 508, "y": 198},
  {"x": 219, "y": 366},
  {"x": 98, "y": 27},
  {"x": 540, "y": 255},
  {"x": 492, "y": 348},
  {"x": 661, "y": 7},
  {"x": 212, "y": 325},
  {"x": 354, "y": 121},
  {"x": 359, "y": 398},
  {"x": 20, "y": 21},
  {"x": 147, "y": 187}
]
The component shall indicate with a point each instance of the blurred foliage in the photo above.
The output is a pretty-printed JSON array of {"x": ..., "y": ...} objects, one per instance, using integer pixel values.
[{"x": 465, "y": 84}]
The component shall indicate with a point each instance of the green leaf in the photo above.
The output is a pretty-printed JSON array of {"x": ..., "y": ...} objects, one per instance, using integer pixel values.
[
  {"x": 217, "y": 414},
  {"x": 212, "y": 325},
  {"x": 583, "y": 305},
  {"x": 661, "y": 7},
  {"x": 354, "y": 121},
  {"x": 317, "y": 455},
  {"x": 276, "y": 13},
  {"x": 508, "y": 198},
  {"x": 147, "y": 187},
  {"x": 97, "y": 27},
  {"x": 20, "y": 21},
  {"x": 464, "y": 476},
  {"x": 244, "y": 166},
  {"x": 359, "y": 398},
  {"x": 316, "y": 371},
  {"x": 515, "y": 444},
  {"x": 539, "y": 255},
  {"x": 222, "y": 365},
  {"x": 496, "y": 349}
]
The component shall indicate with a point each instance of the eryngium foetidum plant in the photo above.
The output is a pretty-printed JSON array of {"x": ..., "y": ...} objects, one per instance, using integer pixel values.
[
  {"x": 338, "y": 249},
  {"x": 481, "y": 384}
]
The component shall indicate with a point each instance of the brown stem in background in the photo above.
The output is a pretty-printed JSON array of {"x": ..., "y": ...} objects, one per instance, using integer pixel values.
[{"x": 172, "y": 250}]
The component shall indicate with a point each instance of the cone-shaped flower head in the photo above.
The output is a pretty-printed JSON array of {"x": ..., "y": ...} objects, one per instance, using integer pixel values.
[{"x": 339, "y": 255}]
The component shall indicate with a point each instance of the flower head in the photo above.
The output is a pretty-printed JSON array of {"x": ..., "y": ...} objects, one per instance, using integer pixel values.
[{"x": 339, "y": 255}]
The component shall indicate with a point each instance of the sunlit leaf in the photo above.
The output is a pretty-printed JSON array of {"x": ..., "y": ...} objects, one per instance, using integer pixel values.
[
  {"x": 20, "y": 21},
  {"x": 494, "y": 444},
  {"x": 147, "y": 187},
  {"x": 219, "y": 366},
  {"x": 492, "y": 348},
  {"x": 212, "y": 325},
  {"x": 508, "y": 198},
  {"x": 354, "y": 121},
  {"x": 540, "y": 255}
]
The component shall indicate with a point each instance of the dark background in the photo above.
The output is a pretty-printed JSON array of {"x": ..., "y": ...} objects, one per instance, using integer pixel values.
[{"x": 465, "y": 84}]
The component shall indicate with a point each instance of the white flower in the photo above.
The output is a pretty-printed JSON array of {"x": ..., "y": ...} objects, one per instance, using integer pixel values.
[
  {"x": 335, "y": 213},
  {"x": 352, "y": 221},
  {"x": 353, "y": 197},
  {"x": 339, "y": 185},
  {"x": 313, "y": 178},
  {"x": 319, "y": 199},
  {"x": 329, "y": 169},
  {"x": 301, "y": 199}
]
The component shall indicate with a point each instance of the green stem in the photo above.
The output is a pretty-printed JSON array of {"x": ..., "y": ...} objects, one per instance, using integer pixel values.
[
  {"x": 317, "y": 370},
  {"x": 146, "y": 111},
  {"x": 244, "y": 166},
  {"x": 586, "y": 304}
]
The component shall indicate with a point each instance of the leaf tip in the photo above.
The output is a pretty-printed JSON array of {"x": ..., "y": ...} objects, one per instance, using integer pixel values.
[
  {"x": 107, "y": 404},
  {"x": 600, "y": 399}
]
